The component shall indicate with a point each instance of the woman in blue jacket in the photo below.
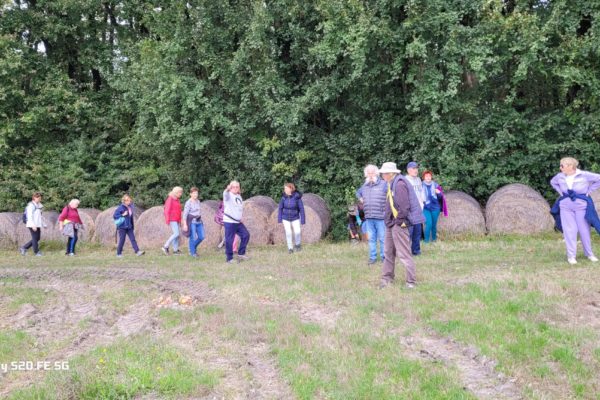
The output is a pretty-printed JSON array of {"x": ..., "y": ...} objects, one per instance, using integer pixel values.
[
  {"x": 291, "y": 214},
  {"x": 123, "y": 217}
]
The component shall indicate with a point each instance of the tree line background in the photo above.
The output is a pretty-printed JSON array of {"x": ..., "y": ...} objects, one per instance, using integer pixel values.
[{"x": 98, "y": 98}]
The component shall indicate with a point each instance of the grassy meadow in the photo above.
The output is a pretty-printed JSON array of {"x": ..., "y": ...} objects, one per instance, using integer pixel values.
[{"x": 491, "y": 318}]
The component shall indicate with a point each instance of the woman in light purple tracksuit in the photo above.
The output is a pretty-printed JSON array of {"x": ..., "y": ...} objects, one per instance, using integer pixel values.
[{"x": 572, "y": 213}]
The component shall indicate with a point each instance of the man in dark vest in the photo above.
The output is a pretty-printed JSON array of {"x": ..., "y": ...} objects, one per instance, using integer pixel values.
[{"x": 399, "y": 215}]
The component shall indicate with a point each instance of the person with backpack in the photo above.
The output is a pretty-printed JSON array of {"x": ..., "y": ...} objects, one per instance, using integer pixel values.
[
  {"x": 69, "y": 224},
  {"x": 291, "y": 214},
  {"x": 232, "y": 219},
  {"x": 402, "y": 210},
  {"x": 124, "y": 221},
  {"x": 32, "y": 217},
  {"x": 435, "y": 203},
  {"x": 192, "y": 222},
  {"x": 172, "y": 212},
  {"x": 416, "y": 231}
]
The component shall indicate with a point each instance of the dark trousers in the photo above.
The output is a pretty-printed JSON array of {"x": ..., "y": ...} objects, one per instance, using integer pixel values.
[
  {"x": 416, "y": 231},
  {"x": 123, "y": 234},
  {"x": 71, "y": 242},
  {"x": 230, "y": 231},
  {"x": 35, "y": 240}
]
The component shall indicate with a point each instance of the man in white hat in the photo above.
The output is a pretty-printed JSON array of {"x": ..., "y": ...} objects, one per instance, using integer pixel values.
[{"x": 397, "y": 219}]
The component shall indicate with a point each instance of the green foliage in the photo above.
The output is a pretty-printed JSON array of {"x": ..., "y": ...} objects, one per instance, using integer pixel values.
[{"x": 102, "y": 98}]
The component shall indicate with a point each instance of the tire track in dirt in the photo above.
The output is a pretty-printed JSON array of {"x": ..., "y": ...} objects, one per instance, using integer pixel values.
[
  {"x": 248, "y": 367},
  {"x": 477, "y": 372}
]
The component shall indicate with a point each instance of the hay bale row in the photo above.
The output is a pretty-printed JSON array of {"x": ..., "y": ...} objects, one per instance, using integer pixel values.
[
  {"x": 464, "y": 217},
  {"x": 257, "y": 211},
  {"x": 105, "y": 231},
  {"x": 318, "y": 220},
  {"x": 517, "y": 208}
]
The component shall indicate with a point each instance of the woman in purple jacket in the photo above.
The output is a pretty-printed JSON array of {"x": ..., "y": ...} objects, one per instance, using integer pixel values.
[
  {"x": 572, "y": 212},
  {"x": 291, "y": 214}
]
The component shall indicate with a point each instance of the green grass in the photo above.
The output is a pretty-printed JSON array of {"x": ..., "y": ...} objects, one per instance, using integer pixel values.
[
  {"x": 124, "y": 370},
  {"x": 327, "y": 329}
]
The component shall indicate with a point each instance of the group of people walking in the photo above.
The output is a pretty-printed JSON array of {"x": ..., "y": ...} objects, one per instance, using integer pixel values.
[{"x": 394, "y": 206}]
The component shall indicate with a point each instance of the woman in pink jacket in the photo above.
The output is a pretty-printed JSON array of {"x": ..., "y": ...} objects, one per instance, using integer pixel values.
[{"x": 173, "y": 219}]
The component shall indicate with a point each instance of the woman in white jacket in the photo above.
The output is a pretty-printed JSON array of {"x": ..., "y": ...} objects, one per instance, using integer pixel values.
[{"x": 33, "y": 215}]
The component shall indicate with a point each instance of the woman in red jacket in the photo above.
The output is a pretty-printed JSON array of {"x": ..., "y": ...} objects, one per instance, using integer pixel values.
[
  {"x": 173, "y": 219},
  {"x": 69, "y": 223}
]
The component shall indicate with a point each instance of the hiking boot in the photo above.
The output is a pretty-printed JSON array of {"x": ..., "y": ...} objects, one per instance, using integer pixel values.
[
  {"x": 290, "y": 251},
  {"x": 371, "y": 262},
  {"x": 298, "y": 248},
  {"x": 383, "y": 284},
  {"x": 243, "y": 257},
  {"x": 22, "y": 250},
  {"x": 165, "y": 250},
  {"x": 140, "y": 253}
]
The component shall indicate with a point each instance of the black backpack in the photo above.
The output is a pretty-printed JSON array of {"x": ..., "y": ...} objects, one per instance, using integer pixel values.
[{"x": 24, "y": 218}]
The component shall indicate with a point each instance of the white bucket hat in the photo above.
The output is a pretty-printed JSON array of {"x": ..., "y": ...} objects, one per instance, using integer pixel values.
[{"x": 389, "y": 168}]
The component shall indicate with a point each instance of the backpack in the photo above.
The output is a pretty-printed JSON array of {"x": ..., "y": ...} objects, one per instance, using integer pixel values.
[
  {"x": 24, "y": 218},
  {"x": 219, "y": 214}
]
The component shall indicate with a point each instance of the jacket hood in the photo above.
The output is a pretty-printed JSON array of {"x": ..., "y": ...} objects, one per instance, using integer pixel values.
[{"x": 296, "y": 195}]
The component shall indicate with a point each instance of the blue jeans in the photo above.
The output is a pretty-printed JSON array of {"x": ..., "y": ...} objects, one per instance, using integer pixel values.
[
  {"x": 71, "y": 241},
  {"x": 174, "y": 238},
  {"x": 431, "y": 219},
  {"x": 232, "y": 229},
  {"x": 415, "y": 232},
  {"x": 196, "y": 236},
  {"x": 376, "y": 232}
]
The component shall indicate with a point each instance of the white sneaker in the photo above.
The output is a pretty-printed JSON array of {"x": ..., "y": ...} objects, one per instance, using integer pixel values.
[
  {"x": 593, "y": 258},
  {"x": 572, "y": 261}
]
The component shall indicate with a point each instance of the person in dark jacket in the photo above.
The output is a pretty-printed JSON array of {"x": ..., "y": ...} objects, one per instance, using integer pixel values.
[
  {"x": 397, "y": 219},
  {"x": 356, "y": 217},
  {"x": 69, "y": 220},
  {"x": 372, "y": 196},
  {"x": 123, "y": 217},
  {"x": 291, "y": 214}
]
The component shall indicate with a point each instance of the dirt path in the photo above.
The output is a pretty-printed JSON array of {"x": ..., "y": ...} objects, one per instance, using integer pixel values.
[{"x": 477, "y": 372}]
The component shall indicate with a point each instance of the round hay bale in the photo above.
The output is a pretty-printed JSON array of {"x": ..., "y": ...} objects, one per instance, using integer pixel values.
[
  {"x": 318, "y": 220},
  {"x": 465, "y": 216},
  {"x": 105, "y": 231},
  {"x": 49, "y": 233},
  {"x": 257, "y": 211},
  {"x": 312, "y": 231},
  {"x": 88, "y": 217},
  {"x": 151, "y": 231},
  {"x": 8, "y": 226},
  {"x": 517, "y": 208}
]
